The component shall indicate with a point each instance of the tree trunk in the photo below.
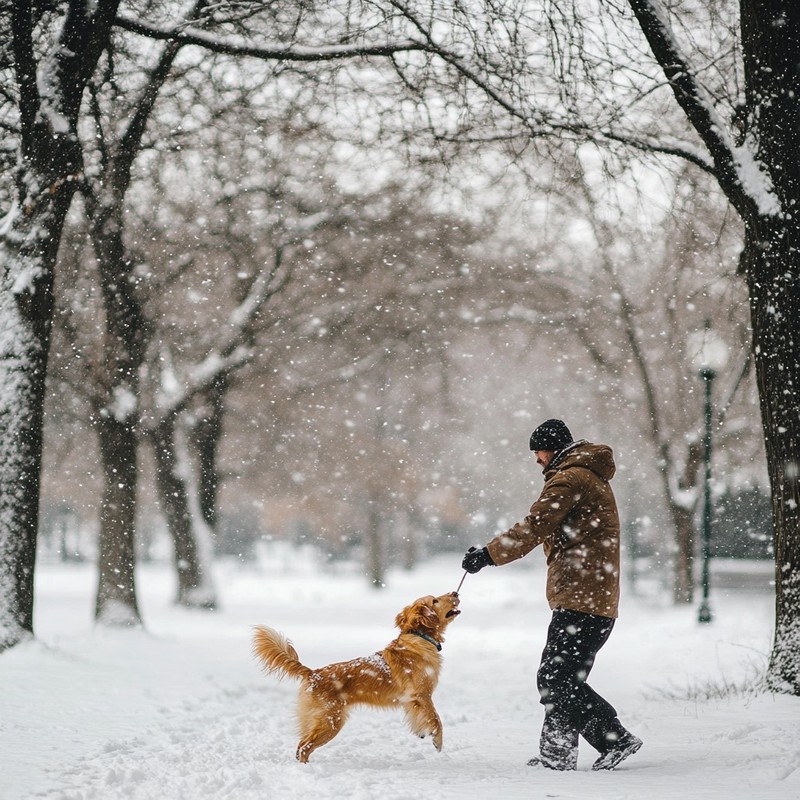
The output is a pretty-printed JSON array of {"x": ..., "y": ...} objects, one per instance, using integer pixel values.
[
  {"x": 27, "y": 260},
  {"x": 406, "y": 535},
  {"x": 683, "y": 573},
  {"x": 207, "y": 437},
  {"x": 374, "y": 546},
  {"x": 29, "y": 239},
  {"x": 683, "y": 523},
  {"x": 771, "y": 51},
  {"x": 123, "y": 354},
  {"x": 774, "y": 266},
  {"x": 116, "y": 592},
  {"x": 194, "y": 586}
]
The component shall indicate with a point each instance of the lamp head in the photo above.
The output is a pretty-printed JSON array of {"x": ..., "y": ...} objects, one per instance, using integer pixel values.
[{"x": 708, "y": 351}]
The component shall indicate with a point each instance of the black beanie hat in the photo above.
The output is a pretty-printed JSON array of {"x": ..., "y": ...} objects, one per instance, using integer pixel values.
[{"x": 551, "y": 435}]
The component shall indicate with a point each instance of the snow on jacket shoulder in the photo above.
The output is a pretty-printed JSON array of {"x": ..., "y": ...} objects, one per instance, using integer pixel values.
[{"x": 575, "y": 519}]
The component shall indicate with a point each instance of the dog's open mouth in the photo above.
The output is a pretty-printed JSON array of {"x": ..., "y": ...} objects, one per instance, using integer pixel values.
[{"x": 453, "y": 612}]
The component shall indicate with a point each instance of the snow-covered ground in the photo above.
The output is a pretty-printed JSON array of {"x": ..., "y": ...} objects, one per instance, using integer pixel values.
[{"x": 181, "y": 712}]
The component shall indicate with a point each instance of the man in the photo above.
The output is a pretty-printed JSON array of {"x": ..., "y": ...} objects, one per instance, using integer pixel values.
[{"x": 575, "y": 520}]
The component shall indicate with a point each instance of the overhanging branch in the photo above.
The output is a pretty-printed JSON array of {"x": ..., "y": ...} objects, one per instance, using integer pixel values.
[
  {"x": 699, "y": 108},
  {"x": 268, "y": 52}
]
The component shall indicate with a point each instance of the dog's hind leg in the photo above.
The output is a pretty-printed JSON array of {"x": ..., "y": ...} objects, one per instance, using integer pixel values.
[
  {"x": 319, "y": 723},
  {"x": 423, "y": 719}
]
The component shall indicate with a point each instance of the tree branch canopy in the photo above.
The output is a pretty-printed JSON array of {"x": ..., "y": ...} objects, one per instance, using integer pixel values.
[{"x": 267, "y": 52}]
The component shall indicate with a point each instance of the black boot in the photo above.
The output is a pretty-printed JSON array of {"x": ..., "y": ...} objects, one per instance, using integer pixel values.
[
  {"x": 612, "y": 740},
  {"x": 558, "y": 745}
]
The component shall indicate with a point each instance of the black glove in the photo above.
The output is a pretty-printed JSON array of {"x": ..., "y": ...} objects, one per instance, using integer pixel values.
[{"x": 475, "y": 560}]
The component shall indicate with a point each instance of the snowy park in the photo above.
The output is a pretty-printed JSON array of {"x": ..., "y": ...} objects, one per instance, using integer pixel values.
[
  {"x": 301, "y": 300},
  {"x": 180, "y": 711}
]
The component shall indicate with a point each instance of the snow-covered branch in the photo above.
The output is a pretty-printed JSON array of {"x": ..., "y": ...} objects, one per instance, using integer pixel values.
[
  {"x": 233, "y": 350},
  {"x": 270, "y": 281},
  {"x": 743, "y": 180},
  {"x": 233, "y": 46},
  {"x": 175, "y": 393}
]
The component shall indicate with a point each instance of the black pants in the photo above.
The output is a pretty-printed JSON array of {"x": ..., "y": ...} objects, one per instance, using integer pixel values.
[{"x": 572, "y": 707}]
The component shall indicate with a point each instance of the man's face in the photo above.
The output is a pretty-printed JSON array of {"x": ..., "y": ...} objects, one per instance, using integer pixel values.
[{"x": 544, "y": 457}]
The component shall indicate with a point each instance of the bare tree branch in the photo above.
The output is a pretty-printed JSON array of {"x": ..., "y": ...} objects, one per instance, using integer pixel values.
[
  {"x": 275, "y": 52},
  {"x": 730, "y": 162}
]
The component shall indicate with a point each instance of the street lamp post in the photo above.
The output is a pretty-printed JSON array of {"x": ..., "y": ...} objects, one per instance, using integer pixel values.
[
  {"x": 704, "y": 613},
  {"x": 711, "y": 355}
]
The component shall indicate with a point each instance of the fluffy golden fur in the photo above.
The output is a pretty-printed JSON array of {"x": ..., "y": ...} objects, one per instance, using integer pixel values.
[{"x": 403, "y": 674}]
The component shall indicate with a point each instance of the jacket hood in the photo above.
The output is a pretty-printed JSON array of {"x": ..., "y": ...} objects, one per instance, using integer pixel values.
[{"x": 599, "y": 458}]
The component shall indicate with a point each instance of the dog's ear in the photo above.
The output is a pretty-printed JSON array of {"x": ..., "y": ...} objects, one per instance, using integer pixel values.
[
  {"x": 428, "y": 618},
  {"x": 418, "y": 615},
  {"x": 402, "y": 619},
  {"x": 409, "y": 618}
]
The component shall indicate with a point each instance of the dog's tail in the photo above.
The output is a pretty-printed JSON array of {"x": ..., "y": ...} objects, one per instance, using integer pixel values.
[{"x": 277, "y": 654}]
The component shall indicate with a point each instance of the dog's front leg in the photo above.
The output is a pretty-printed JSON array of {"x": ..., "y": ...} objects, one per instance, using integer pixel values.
[{"x": 423, "y": 719}]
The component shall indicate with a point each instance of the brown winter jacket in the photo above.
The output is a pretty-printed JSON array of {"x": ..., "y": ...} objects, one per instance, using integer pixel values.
[{"x": 575, "y": 519}]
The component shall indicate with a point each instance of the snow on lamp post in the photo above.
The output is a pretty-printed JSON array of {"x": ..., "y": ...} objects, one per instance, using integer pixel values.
[{"x": 710, "y": 354}]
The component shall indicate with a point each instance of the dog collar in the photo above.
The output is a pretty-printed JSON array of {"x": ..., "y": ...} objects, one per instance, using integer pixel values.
[{"x": 437, "y": 645}]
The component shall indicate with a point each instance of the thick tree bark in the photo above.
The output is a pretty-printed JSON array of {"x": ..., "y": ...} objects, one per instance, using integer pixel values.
[
  {"x": 774, "y": 267},
  {"x": 49, "y": 165},
  {"x": 771, "y": 50},
  {"x": 27, "y": 260},
  {"x": 123, "y": 355}
]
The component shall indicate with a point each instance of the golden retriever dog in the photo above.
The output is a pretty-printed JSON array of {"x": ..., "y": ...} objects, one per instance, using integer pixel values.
[{"x": 403, "y": 674}]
